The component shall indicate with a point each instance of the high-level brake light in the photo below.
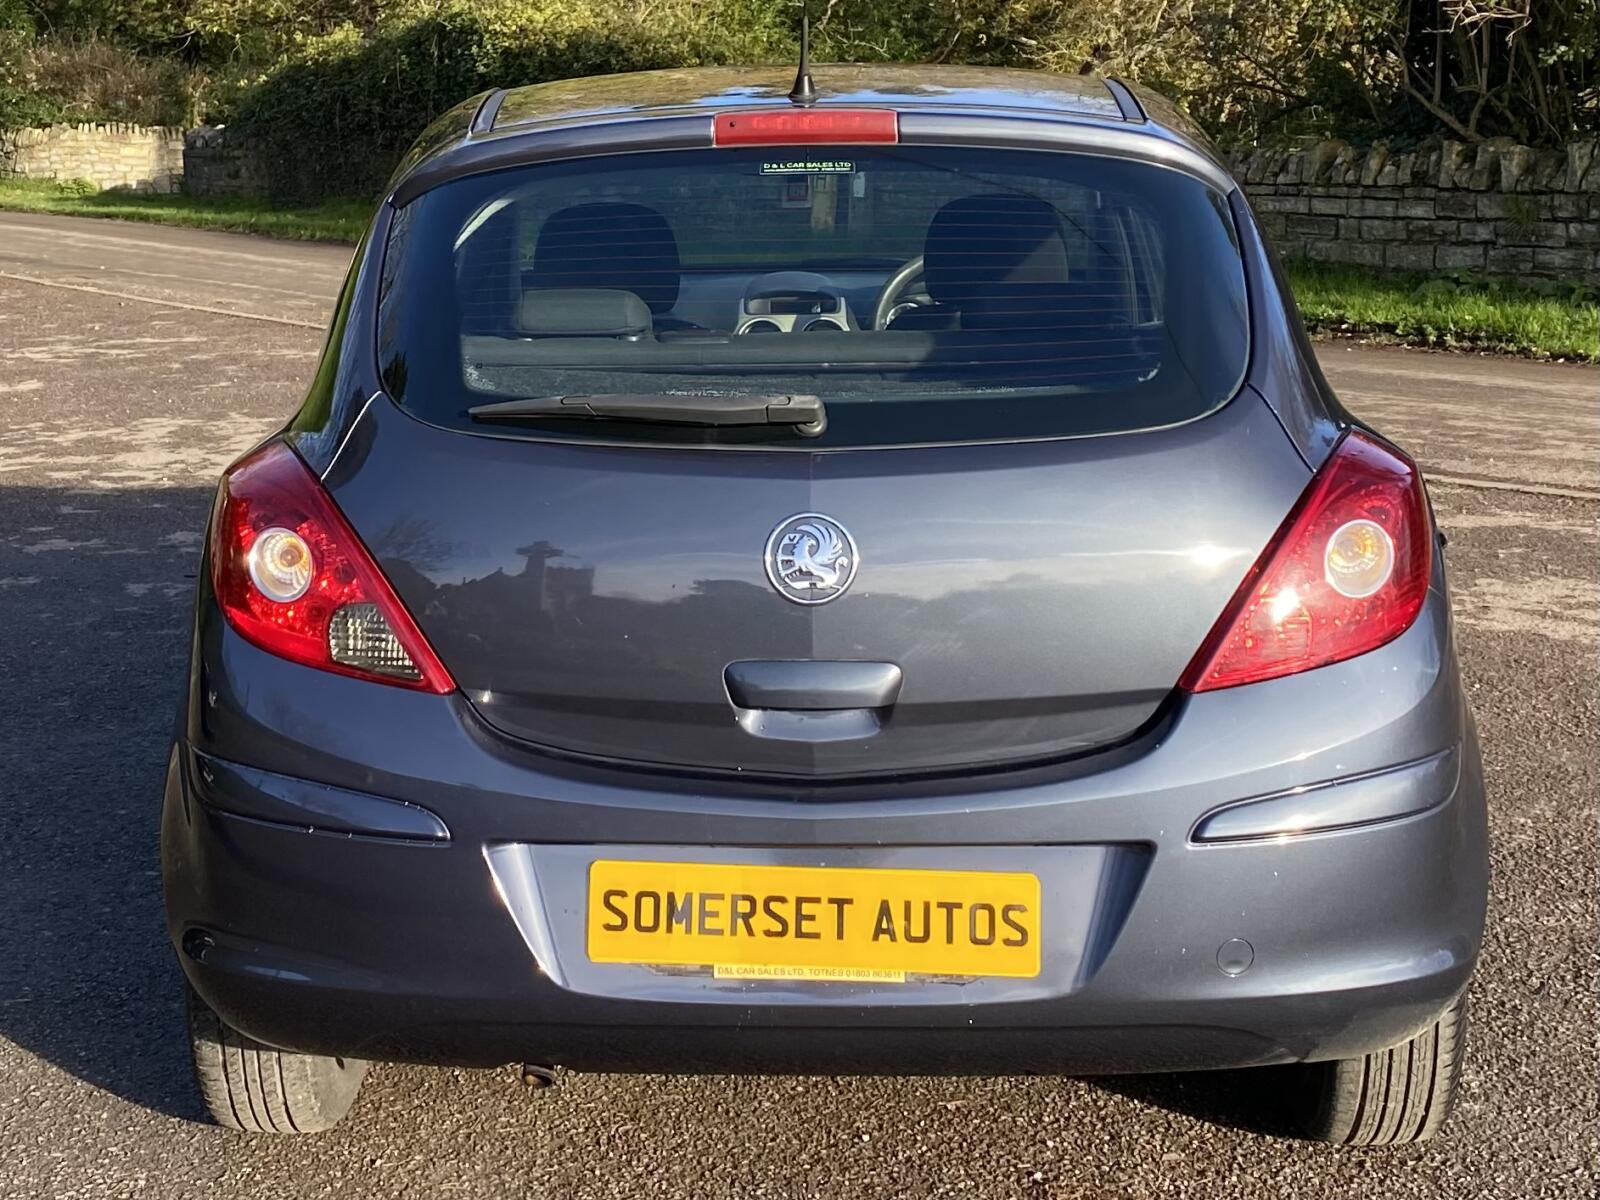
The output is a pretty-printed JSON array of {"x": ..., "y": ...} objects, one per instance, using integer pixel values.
[{"x": 806, "y": 127}]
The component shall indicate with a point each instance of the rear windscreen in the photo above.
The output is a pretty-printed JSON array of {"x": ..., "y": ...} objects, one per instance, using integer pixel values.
[{"x": 924, "y": 294}]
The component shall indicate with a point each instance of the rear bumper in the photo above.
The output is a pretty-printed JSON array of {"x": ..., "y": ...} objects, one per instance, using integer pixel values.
[{"x": 414, "y": 949}]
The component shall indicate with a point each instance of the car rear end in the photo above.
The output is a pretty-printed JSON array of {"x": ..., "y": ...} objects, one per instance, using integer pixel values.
[{"x": 1109, "y": 720}]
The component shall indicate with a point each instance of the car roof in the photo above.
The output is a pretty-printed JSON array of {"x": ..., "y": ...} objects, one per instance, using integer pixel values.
[
  {"x": 874, "y": 85},
  {"x": 667, "y": 109}
]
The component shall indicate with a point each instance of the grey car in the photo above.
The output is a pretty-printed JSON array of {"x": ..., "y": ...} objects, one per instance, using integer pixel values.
[{"x": 865, "y": 577}]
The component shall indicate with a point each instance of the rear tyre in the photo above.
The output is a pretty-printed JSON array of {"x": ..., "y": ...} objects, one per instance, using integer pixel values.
[
  {"x": 1391, "y": 1097},
  {"x": 252, "y": 1087}
]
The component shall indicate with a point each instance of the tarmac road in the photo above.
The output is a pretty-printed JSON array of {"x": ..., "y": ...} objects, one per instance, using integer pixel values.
[{"x": 116, "y": 411}]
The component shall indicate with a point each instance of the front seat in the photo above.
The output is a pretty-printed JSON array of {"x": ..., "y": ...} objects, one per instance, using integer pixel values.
[
  {"x": 991, "y": 260},
  {"x": 612, "y": 246}
]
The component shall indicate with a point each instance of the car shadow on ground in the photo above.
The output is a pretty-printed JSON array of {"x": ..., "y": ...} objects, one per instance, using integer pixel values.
[
  {"x": 1252, "y": 1100},
  {"x": 95, "y": 592}
]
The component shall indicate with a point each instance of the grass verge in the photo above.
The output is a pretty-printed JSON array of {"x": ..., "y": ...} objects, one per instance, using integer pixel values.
[
  {"x": 1452, "y": 312},
  {"x": 1446, "y": 312},
  {"x": 336, "y": 221}
]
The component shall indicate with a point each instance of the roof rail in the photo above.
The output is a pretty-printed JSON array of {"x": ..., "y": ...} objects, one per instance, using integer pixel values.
[
  {"x": 1127, "y": 104},
  {"x": 483, "y": 120}
]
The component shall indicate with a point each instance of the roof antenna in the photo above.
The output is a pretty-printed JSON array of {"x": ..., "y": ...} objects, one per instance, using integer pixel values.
[{"x": 803, "y": 91}]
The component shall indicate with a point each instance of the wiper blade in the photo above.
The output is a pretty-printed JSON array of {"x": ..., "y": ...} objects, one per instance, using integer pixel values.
[{"x": 805, "y": 413}]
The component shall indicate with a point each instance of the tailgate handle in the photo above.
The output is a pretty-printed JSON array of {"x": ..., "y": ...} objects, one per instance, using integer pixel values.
[{"x": 809, "y": 685}]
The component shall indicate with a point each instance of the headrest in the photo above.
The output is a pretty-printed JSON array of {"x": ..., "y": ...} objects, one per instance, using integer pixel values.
[
  {"x": 624, "y": 246},
  {"x": 582, "y": 312},
  {"x": 993, "y": 248}
]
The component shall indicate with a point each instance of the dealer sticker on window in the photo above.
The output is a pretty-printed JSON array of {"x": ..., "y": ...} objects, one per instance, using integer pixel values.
[
  {"x": 821, "y": 924},
  {"x": 809, "y": 166}
]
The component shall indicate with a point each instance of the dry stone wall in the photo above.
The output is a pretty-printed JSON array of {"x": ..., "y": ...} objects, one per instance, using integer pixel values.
[
  {"x": 139, "y": 158},
  {"x": 1497, "y": 208},
  {"x": 216, "y": 163}
]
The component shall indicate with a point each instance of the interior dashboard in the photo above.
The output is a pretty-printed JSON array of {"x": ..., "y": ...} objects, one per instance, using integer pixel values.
[{"x": 780, "y": 302}]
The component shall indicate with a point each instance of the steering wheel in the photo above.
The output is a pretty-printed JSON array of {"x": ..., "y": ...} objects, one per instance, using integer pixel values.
[{"x": 895, "y": 297}]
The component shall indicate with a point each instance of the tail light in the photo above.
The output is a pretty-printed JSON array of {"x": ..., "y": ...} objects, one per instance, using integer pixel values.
[
  {"x": 806, "y": 126},
  {"x": 1346, "y": 572},
  {"x": 293, "y": 578}
]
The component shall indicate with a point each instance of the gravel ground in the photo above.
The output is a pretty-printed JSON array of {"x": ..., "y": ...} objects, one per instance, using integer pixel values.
[{"x": 118, "y": 414}]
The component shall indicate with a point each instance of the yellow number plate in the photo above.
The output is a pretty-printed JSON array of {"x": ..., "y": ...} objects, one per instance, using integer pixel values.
[{"x": 840, "y": 924}]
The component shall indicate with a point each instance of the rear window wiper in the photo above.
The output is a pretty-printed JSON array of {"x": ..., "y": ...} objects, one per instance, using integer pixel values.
[{"x": 805, "y": 413}]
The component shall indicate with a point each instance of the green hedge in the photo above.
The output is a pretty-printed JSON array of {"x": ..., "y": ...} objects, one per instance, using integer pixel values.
[
  {"x": 339, "y": 106},
  {"x": 333, "y": 90},
  {"x": 20, "y": 104},
  {"x": 334, "y": 119}
]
